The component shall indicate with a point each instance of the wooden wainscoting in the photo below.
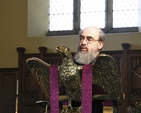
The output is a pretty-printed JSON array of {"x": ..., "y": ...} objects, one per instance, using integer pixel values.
[{"x": 8, "y": 78}]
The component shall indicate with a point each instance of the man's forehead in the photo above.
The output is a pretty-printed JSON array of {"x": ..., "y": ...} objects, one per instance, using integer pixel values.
[{"x": 90, "y": 32}]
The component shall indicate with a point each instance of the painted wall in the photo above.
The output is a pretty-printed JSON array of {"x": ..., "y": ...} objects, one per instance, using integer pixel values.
[{"x": 14, "y": 28}]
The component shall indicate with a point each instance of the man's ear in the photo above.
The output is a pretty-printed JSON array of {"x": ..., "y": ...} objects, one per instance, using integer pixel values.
[{"x": 100, "y": 44}]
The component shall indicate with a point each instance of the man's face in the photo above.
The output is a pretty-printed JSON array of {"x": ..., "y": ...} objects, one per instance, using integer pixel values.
[
  {"x": 89, "y": 46},
  {"x": 89, "y": 40}
]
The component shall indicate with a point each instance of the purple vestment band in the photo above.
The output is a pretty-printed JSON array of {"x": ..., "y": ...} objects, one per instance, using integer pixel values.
[
  {"x": 87, "y": 89},
  {"x": 54, "y": 107}
]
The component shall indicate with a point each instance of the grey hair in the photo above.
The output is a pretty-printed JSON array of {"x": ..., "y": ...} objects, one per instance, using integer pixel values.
[{"x": 101, "y": 34}]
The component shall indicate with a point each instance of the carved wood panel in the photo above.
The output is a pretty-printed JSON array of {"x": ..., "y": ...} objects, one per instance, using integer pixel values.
[
  {"x": 30, "y": 91},
  {"x": 135, "y": 77},
  {"x": 8, "y": 92}
]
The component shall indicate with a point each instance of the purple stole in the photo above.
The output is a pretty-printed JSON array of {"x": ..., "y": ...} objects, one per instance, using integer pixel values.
[
  {"x": 54, "y": 105},
  {"x": 86, "y": 89}
]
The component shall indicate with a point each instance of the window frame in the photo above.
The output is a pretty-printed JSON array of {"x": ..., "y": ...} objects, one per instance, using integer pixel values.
[{"x": 108, "y": 21}]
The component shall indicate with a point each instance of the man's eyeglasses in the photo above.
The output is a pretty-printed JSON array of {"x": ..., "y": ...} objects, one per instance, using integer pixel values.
[{"x": 88, "y": 39}]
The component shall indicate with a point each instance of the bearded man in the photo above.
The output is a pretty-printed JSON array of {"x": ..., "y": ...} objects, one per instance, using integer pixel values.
[{"x": 91, "y": 41}]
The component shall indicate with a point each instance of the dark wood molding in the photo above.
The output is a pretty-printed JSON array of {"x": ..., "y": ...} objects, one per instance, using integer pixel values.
[{"x": 8, "y": 69}]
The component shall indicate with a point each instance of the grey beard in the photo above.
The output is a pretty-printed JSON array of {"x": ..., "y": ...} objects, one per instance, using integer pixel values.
[{"x": 82, "y": 57}]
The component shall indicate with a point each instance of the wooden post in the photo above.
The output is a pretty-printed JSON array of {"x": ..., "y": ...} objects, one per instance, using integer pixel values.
[
  {"x": 42, "y": 52},
  {"x": 124, "y": 74},
  {"x": 20, "y": 51}
]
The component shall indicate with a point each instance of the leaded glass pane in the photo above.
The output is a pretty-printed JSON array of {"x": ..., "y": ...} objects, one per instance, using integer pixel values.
[
  {"x": 125, "y": 13},
  {"x": 92, "y": 13},
  {"x": 60, "y": 15}
]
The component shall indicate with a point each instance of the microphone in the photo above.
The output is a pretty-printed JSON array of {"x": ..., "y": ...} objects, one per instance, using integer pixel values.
[{"x": 135, "y": 73}]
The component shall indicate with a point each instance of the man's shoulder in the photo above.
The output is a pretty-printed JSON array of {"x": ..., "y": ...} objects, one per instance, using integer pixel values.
[
  {"x": 102, "y": 55},
  {"x": 104, "y": 59}
]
